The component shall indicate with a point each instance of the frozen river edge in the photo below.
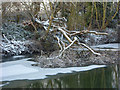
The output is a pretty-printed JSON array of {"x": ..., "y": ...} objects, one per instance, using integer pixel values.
[{"x": 22, "y": 69}]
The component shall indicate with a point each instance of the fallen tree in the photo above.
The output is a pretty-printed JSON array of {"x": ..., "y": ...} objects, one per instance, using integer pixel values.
[
  {"x": 65, "y": 38},
  {"x": 57, "y": 27}
]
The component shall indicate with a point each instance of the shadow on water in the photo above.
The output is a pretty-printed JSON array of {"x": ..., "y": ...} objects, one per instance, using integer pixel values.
[{"x": 98, "y": 78}]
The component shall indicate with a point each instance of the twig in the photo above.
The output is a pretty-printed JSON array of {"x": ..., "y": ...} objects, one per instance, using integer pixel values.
[
  {"x": 6, "y": 38},
  {"x": 86, "y": 31},
  {"x": 58, "y": 43},
  {"x": 97, "y": 33},
  {"x": 75, "y": 39},
  {"x": 72, "y": 33},
  {"x": 89, "y": 49},
  {"x": 67, "y": 34},
  {"x": 64, "y": 33},
  {"x": 34, "y": 27}
]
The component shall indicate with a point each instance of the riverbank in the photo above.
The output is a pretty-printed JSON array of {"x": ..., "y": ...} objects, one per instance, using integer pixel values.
[
  {"x": 60, "y": 77},
  {"x": 17, "y": 39},
  {"x": 23, "y": 70},
  {"x": 73, "y": 58},
  {"x": 81, "y": 57}
]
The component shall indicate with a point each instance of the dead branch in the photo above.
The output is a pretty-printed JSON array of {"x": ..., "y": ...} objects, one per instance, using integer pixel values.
[
  {"x": 59, "y": 43},
  {"x": 34, "y": 27},
  {"x": 63, "y": 44},
  {"x": 5, "y": 38},
  {"x": 68, "y": 36},
  {"x": 72, "y": 33},
  {"x": 94, "y": 32},
  {"x": 65, "y": 48},
  {"x": 76, "y": 39},
  {"x": 89, "y": 49},
  {"x": 65, "y": 34}
]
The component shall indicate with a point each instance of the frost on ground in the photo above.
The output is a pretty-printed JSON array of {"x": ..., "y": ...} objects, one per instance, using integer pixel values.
[
  {"x": 14, "y": 47},
  {"x": 74, "y": 58},
  {"x": 92, "y": 39},
  {"x": 108, "y": 46},
  {"x": 17, "y": 39},
  {"x": 20, "y": 47}
]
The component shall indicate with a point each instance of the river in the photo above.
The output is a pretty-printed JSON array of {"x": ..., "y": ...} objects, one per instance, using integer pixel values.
[
  {"x": 18, "y": 72},
  {"x": 94, "y": 76}
]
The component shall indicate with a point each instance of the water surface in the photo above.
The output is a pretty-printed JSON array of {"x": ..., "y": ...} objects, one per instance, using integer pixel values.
[{"x": 102, "y": 77}]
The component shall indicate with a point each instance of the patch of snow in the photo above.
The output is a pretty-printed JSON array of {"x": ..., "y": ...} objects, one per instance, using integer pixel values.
[
  {"x": 15, "y": 47},
  {"x": 112, "y": 45},
  {"x": 19, "y": 56},
  {"x": 45, "y": 27},
  {"x": 46, "y": 22},
  {"x": 38, "y": 21},
  {"x": 87, "y": 40},
  {"x": 11, "y": 70},
  {"x": 103, "y": 47},
  {"x": 65, "y": 19},
  {"x": 4, "y": 84},
  {"x": 22, "y": 69}
]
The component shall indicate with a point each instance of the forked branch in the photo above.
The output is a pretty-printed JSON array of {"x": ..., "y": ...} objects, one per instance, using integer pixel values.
[{"x": 70, "y": 36}]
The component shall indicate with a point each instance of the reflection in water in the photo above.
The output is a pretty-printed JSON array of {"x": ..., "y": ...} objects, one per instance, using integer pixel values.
[
  {"x": 98, "y": 78},
  {"x": 119, "y": 74}
]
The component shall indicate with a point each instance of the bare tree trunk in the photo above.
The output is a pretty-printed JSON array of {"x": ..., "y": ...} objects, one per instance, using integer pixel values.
[
  {"x": 51, "y": 18},
  {"x": 104, "y": 14},
  {"x": 110, "y": 18},
  {"x": 96, "y": 15},
  {"x": 91, "y": 18}
]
